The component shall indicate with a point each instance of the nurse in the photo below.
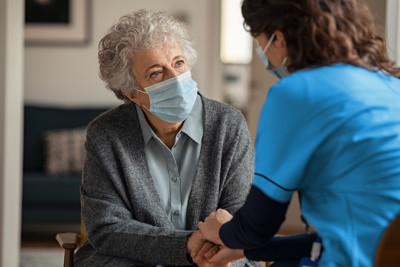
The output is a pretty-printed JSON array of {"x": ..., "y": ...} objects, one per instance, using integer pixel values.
[{"x": 330, "y": 130}]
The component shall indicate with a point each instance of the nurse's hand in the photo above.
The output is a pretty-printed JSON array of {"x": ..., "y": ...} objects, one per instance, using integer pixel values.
[{"x": 210, "y": 227}]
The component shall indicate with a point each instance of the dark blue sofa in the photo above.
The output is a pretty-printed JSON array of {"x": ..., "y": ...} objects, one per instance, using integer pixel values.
[{"x": 47, "y": 198}]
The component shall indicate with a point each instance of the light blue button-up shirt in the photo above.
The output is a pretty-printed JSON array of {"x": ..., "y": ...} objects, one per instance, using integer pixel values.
[{"x": 173, "y": 170}]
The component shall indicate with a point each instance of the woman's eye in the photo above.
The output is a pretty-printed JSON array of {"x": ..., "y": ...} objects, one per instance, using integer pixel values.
[
  {"x": 154, "y": 74},
  {"x": 179, "y": 63}
]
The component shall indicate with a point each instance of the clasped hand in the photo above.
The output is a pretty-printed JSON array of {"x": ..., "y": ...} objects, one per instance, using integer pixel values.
[{"x": 206, "y": 247}]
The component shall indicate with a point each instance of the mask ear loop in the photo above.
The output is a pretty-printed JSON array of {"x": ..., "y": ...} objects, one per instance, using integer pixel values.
[
  {"x": 141, "y": 105},
  {"x": 284, "y": 62},
  {"x": 145, "y": 107},
  {"x": 269, "y": 42},
  {"x": 144, "y": 92},
  {"x": 267, "y": 45}
]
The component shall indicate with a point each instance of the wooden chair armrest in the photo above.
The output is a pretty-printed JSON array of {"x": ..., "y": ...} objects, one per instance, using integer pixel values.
[{"x": 68, "y": 241}]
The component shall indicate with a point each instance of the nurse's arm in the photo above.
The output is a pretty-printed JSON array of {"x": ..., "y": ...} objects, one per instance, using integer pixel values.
[{"x": 254, "y": 225}]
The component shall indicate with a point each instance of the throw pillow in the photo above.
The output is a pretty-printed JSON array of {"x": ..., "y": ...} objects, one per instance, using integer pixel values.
[{"x": 64, "y": 151}]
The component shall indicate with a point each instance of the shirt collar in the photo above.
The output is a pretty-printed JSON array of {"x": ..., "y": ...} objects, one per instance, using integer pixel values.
[{"x": 192, "y": 127}]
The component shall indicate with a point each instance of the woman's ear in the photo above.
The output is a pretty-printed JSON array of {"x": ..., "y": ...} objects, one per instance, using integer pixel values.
[
  {"x": 132, "y": 98},
  {"x": 280, "y": 41}
]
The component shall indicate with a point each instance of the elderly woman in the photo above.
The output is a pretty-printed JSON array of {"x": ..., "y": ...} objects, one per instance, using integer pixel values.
[{"x": 160, "y": 163}]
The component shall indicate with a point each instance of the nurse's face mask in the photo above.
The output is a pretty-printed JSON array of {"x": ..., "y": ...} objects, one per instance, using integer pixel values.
[
  {"x": 172, "y": 100},
  {"x": 281, "y": 71}
]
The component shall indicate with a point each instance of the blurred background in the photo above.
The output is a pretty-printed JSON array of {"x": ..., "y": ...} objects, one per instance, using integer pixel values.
[{"x": 48, "y": 68}]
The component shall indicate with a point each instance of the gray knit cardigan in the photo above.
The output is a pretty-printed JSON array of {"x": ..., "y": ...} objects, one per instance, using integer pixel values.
[{"x": 121, "y": 209}]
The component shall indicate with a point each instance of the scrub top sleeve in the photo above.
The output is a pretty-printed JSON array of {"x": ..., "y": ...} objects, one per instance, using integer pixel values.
[
  {"x": 254, "y": 224},
  {"x": 284, "y": 141},
  {"x": 292, "y": 247}
]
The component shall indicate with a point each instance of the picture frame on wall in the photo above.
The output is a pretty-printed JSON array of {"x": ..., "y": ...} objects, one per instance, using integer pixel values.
[{"x": 56, "y": 22}]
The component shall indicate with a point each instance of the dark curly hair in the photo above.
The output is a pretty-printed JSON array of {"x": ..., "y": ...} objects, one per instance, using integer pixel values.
[{"x": 321, "y": 32}]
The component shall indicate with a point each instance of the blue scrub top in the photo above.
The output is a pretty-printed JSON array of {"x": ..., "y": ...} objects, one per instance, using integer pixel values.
[{"x": 333, "y": 134}]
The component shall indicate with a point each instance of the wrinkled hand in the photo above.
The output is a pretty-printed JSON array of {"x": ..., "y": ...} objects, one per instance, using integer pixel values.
[
  {"x": 210, "y": 227},
  {"x": 217, "y": 255},
  {"x": 202, "y": 256},
  {"x": 196, "y": 242},
  {"x": 223, "y": 255}
]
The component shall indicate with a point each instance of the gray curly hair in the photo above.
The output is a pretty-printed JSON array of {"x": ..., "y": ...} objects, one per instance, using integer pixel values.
[{"x": 142, "y": 29}]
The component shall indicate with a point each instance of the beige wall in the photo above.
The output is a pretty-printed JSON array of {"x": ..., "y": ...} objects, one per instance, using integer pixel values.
[
  {"x": 393, "y": 29},
  {"x": 378, "y": 9}
]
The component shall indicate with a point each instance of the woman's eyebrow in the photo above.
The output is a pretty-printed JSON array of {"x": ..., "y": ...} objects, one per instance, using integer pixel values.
[
  {"x": 176, "y": 57},
  {"x": 152, "y": 66}
]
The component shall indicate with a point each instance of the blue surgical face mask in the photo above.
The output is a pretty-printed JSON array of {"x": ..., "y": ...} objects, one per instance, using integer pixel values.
[
  {"x": 172, "y": 100},
  {"x": 281, "y": 71}
]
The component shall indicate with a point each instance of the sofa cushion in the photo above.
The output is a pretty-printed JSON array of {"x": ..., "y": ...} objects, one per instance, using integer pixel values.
[
  {"x": 50, "y": 199},
  {"x": 47, "y": 190},
  {"x": 60, "y": 214}
]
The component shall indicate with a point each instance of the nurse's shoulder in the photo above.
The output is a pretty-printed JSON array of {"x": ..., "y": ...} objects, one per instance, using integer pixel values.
[
  {"x": 306, "y": 85},
  {"x": 321, "y": 82}
]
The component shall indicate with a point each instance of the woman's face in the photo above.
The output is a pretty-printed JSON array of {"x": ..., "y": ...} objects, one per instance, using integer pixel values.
[{"x": 155, "y": 65}]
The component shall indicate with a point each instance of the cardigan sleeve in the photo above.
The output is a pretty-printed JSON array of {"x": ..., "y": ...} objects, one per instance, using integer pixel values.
[
  {"x": 110, "y": 220},
  {"x": 238, "y": 161}
]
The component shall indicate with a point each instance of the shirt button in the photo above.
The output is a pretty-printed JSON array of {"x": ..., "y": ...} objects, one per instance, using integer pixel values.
[
  {"x": 174, "y": 178},
  {"x": 176, "y": 213}
]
